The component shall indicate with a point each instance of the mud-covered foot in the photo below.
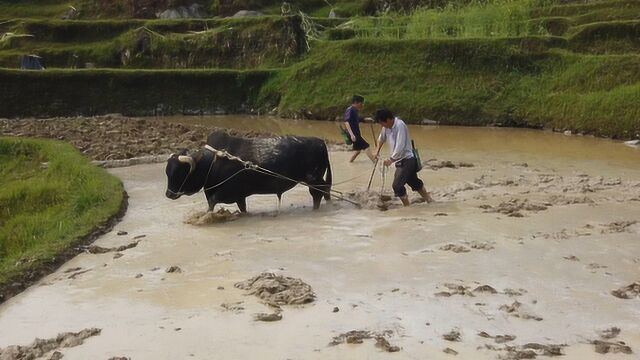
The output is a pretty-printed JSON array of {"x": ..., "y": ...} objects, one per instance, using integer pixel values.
[
  {"x": 405, "y": 200},
  {"x": 425, "y": 195}
]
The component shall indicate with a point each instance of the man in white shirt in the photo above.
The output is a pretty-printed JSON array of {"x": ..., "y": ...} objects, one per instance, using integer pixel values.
[{"x": 395, "y": 132}]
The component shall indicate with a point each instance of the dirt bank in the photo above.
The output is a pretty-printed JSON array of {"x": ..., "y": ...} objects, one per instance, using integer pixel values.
[{"x": 116, "y": 137}]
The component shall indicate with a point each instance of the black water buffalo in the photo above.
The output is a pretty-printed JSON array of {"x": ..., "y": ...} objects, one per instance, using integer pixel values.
[{"x": 303, "y": 159}]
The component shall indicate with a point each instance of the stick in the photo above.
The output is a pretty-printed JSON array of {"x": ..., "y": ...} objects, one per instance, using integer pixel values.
[
  {"x": 375, "y": 165},
  {"x": 375, "y": 139}
]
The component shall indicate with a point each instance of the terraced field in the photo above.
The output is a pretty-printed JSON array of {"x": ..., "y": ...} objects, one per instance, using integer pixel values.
[{"x": 562, "y": 65}]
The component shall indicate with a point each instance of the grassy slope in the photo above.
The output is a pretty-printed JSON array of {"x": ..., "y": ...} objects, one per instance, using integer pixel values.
[
  {"x": 44, "y": 211},
  {"x": 513, "y": 82},
  {"x": 266, "y": 42}
]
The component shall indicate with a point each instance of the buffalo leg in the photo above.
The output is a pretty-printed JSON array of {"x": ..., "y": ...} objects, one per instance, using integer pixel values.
[
  {"x": 211, "y": 200},
  {"x": 242, "y": 205},
  {"x": 317, "y": 198}
]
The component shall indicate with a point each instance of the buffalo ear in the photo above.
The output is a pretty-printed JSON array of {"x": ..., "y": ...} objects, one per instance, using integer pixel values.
[{"x": 183, "y": 152}]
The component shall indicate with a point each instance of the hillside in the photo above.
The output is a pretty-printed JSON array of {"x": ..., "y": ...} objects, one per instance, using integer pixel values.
[{"x": 540, "y": 63}]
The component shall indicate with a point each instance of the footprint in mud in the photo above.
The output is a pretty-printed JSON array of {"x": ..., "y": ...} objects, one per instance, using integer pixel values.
[
  {"x": 515, "y": 207},
  {"x": 465, "y": 290},
  {"x": 605, "y": 345},
  {"x": 435, "y": 164},
  {"x": 516, "y": 310},
  {"x": 499, "y": 339},
  {"x": 453, "y": 336},
  {"x": 454, "y": 289},
  {"x": 235, "y": 307},
  {"x": 609, "y": 333},
  {"x": 449, "y": 351},
  {"x": 627, "y": 292},
  {"x": 459, "y": 248},
  {"x": 267, "y": 317},
  {"x": 358, "y": 337},
  {"x": 617, "y": 226},
  {"x": 527, "y": 351}
]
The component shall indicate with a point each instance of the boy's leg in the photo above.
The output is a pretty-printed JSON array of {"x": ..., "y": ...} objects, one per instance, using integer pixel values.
[{"x": 355, "y": 155}]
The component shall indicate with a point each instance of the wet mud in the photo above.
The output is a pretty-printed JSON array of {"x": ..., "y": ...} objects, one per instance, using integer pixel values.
[
  {"x": 358, "y": 337},
  {"x": 201, "y": 218},
  {"x": 95, "y": 249},
  {"x": 372, "y": 200},
  {"x": 276, "y": 290},
  {"x": 606, "y": 347},
  {"x": 627, "y": 292},
  {"x": 506, "y": 293}
]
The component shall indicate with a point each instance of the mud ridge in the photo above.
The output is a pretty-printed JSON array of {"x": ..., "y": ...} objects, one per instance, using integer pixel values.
[
  {"x": 95, "y": 249},
  {"x": 41, "y": 347}
]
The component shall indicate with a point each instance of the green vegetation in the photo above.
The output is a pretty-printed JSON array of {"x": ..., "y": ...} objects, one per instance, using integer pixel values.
[
  {"x": 514, "y": 82},
  {"x": 44, "y": 210},
  {"x": 267, "y": 41},
  {"x": 541, "y": 63},
  {"x": 129, "y": 92}
]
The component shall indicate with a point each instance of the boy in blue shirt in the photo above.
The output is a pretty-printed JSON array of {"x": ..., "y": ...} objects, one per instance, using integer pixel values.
[{"x": 352, "y": 125}]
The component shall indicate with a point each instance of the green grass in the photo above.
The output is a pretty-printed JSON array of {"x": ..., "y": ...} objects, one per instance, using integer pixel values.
[
  {"x": 44, "y": 211},
  {"x": 33, "y": 9},
  {"x": 269, "y": 41},
  {"x": 517, "y": 81}
]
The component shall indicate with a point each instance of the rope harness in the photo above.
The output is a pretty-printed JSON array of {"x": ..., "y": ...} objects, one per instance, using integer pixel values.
[{"x": 248, "y": 165}]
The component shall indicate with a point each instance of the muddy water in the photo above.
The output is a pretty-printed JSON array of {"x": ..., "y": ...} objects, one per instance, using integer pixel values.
[
  {"x": 495, "y": 144},
  {"x": 382, "y": 270}
]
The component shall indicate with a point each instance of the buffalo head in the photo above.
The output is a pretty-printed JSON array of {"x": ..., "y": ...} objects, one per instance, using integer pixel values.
[{"x": 179, "y": 169}]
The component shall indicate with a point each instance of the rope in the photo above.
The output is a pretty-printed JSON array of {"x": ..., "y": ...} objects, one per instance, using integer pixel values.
[
  {"x": 250, "y": 166},
  {"x": 224, "y": 181},
  {"x": 384, "y": 177},
  {"x": 349, "y": 180}
]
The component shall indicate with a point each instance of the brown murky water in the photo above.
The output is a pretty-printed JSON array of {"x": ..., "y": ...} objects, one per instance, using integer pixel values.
[{"x": 557, "y": 236}]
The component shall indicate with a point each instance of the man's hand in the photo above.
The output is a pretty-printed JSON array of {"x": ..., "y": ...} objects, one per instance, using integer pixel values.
[
  {"x": 353, "y": 138},
  {"x": 388, "y": 162}
]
